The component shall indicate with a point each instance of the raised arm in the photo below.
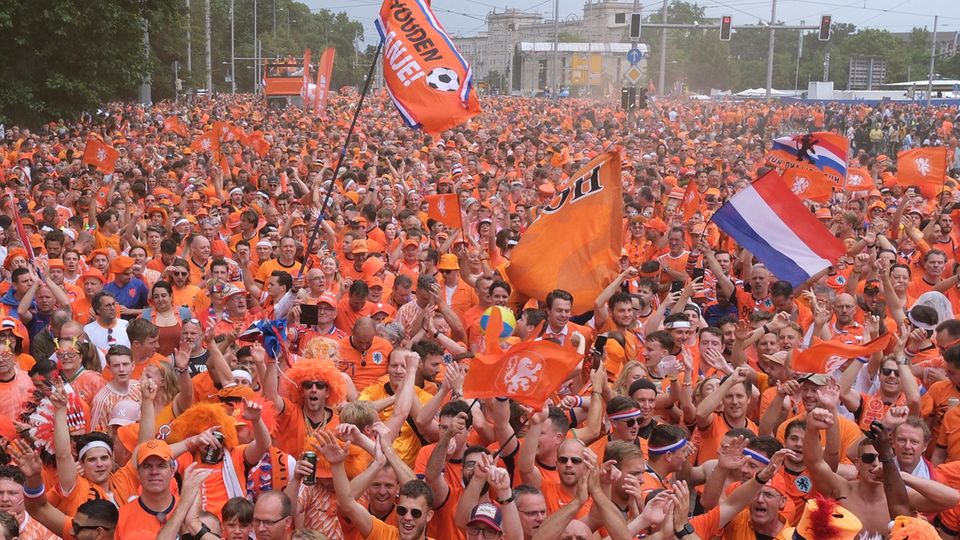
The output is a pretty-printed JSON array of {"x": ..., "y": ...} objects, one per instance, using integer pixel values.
[
  {"x": 828, "y": 482},
  {"x": 66, "y": 465},
  {"x": 438, "y": 459},
  {"x": 527, "y": 458},
  {"x": 600, "y": 310},
  {"x": 354, "y": 512},
  {"x": 262, "y": 441}
]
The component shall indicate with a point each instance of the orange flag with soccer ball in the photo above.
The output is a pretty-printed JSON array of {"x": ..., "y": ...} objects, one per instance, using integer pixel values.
[
  {"x": 808, "y": 184},
  {"x": 575, "y": 243},
  {"x": 429, "y": 81},
  {"x": 923, "y": 167},
  {"x": 445, "y": 209},
  {"x": 100, "y": 155}
]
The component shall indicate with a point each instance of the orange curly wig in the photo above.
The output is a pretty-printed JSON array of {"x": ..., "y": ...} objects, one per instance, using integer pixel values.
[
  {"x": 310, "y": 369},
  {"x": 201, "y": 416}
]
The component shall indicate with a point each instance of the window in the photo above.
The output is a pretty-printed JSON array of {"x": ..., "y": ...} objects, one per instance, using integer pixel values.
[{"x": 620, "y": 18}]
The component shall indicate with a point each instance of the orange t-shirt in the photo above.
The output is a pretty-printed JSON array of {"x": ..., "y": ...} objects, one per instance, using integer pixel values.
[
  {"x": 124, "y": 485},
  {"x": 366, "y": 367},
  {"x": 134, "y": 518},
  {"x": 711, "y": 437},
  {"x": 850, "y": 434},
  {"x": 101, "y": 240},
  {"x": 382, "y": 531}
]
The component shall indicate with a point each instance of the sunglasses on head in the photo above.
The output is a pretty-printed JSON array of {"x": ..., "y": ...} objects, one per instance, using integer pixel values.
[
  {"x": 416, "y": 513},
  {"x": 886, "y": 372},
  {"x": 319, "y": 385},
  {"x": 868, "y": 458},
  {"x": 563, "y": 460}
]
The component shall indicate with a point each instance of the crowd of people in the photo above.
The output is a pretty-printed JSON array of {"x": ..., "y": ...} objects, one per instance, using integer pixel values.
[{"x": 179, "y": 360}]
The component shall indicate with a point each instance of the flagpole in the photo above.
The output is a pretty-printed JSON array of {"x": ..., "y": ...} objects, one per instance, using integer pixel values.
[{"x": 343, "y": 154}]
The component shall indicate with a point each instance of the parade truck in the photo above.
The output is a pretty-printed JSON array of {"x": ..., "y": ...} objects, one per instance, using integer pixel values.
[{"x": 283, "y": 83}]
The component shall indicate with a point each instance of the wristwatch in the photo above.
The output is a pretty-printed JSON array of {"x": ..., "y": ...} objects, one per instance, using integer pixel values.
[{"x": 686, "y": 530}]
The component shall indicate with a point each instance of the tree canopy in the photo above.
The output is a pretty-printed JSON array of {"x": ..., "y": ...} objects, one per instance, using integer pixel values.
[{"x": 64, "y": 57}]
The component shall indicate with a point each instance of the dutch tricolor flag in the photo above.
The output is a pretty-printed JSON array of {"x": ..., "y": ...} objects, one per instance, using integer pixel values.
[{"x": 772, "y": 223}]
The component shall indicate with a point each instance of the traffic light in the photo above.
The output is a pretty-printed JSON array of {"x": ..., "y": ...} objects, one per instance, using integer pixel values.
[
  {"x": 642, "y": 98},
  {"x": 634, "y": 26},
  {"x": 725, "y": 23},
  {"x": 825, "y": 27},
  {"x": 628, "y": 98}
]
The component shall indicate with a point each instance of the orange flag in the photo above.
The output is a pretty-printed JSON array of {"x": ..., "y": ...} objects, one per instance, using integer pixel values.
[
  {"x": 859, "y": 180},
  {"x": 208, "y": 142},
  {"x": 808, "y": 183},
  {"x": 826, "y": 356},
  {"x": 324, "y": 73},
  {"x": 445, "y": 209},
  {"x": 575, "y": 243},
  {"x": 174, "y": 124},
  {"x": 528, "y": 372},
  {"x": 100, "y": 155},
  {"x": 259, "y": 143},
  {"x": 923, "y": 167},
  {"x": 691, "y": 201}
]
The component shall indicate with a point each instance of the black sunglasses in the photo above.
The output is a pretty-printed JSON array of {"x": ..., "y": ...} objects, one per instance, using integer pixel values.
[
  {"x": 886, "y": 372},
  {"x": 630, "y": 422},
  {"x": 868, "y": 458},
  {"x": 319, "y": 385},
  {"x": 563, "y": 460},
  {"x": 414, "y": 512}
]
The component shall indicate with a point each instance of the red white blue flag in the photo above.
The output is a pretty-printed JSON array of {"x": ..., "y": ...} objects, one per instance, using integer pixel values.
[{"x": 772, "y": 223}]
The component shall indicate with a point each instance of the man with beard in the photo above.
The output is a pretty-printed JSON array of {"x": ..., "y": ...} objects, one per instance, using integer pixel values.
[
  {"x": 413, "y": 508},
  {"x": 431, "y": 362},
  {"x": 864, "y": 496}
]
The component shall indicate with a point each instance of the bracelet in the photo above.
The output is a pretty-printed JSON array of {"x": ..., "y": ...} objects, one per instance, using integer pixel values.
[
  {"x": 33, "y": 493},
  {"x": 181, "y": 371},
  {"x": 862, "y": 360},
  {"x": 766, "y": 330},
  {"x": 891, "y": 460},
  {"x": 436, "y": 334},
  {"x": 508, "y": 500},
  {"x": 579, "y": 401},
  {"x": 759, "y": 481}
]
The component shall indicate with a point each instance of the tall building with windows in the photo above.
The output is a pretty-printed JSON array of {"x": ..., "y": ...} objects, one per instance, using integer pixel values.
[{"x": 515, "y": 53}]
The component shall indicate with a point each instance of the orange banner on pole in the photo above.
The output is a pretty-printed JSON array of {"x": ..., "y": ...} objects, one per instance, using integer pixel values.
[
  {"x": 174, "y": 124},
  {"x": 808, "y": 184},
  {"x": 324, "y": 73},
  {"x": 817, "y": 359},
  {"x": 575, "y": 243},
  {"x": 923, "y": 167},
  {"x": 100, "y": 155},
  {"x": 445, "y": 209},
  {"x": 691, "y": 201},
  {"x": 430, "y": 83},
  {"x": 528, "y": 373}
]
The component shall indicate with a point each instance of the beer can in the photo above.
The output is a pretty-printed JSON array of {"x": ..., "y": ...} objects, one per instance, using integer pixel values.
[
  {"x": 213, "y": 454},
  {"x": 311, "y": 479}
]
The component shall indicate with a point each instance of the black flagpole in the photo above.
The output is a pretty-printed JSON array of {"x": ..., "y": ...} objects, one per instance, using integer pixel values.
[{"x": 343, "y": 154}]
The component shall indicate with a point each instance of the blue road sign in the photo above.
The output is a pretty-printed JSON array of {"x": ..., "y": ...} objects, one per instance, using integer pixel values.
[{"x": 634, "y": 55}]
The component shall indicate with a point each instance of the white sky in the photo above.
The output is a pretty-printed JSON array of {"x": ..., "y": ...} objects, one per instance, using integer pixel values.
[{"x": 467, "y": 17}]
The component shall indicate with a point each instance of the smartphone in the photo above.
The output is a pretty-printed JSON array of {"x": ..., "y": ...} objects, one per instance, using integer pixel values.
[
  {"x": 308, "y": 315},
  {"x": 598, "y": 346},
  {"x": 698, "y": 273},
  {"x": 676, "y": 286}
]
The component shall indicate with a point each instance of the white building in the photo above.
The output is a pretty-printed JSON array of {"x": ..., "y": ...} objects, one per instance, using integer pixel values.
[{"x": 516, "y": 52}]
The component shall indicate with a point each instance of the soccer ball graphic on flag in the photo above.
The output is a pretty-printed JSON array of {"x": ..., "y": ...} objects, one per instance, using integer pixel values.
[{"x": 443, "y": 79}]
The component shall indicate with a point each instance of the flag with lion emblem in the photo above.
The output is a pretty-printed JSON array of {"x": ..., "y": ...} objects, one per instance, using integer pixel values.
[
  {"x": 430, "y": 83},
  {"x": 100, "y": 155},
  {"x": 528, "y": 373},
  {"x": 445, "y": 209},
  {"x": 809, "y": 184},
  {"x": 923, "y": 167},
  {"x": 820, "y": 150}
]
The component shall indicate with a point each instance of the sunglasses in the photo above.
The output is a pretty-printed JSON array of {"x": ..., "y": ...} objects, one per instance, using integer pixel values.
[
  {"x": 180, "y": 273},
  {"x": 630, "y": 422},
  {"x": 563, "y": 460},
  {"x": 319, "y": 385},
  {"x": 416, "y": 513},
  {"x": 886, "y": 372},
  {"x": 868, "y": 458}
]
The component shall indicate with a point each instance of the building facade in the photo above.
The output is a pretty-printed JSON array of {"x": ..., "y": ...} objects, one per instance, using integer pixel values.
[{"x": 516, "y": 53}]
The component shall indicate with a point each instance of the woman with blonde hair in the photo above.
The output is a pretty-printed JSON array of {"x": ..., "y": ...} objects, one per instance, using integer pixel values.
[
  {"x": 630, "y": 372},
  {"x": 174, "y": 390}
]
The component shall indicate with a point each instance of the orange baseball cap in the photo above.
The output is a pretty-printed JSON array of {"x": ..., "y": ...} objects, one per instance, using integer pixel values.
[{"x": 154, "y": 447}]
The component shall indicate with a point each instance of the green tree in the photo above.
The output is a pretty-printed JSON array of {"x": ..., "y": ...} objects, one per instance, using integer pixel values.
[{"x": 66, "y": 56}]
